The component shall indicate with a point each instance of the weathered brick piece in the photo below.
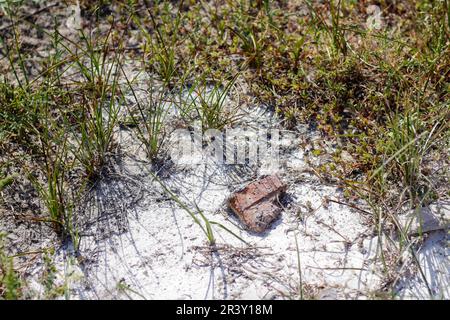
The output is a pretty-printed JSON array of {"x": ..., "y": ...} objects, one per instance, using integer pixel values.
[{"x": 256, "y": 204}]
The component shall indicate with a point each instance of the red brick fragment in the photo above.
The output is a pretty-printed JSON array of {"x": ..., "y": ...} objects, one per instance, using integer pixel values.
[{"x": 256, "y": 204}]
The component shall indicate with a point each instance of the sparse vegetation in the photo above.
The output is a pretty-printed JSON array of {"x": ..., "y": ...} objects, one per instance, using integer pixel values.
[
  {"x": 379, "y": 93},
  {"x": 9, "y": 279}
]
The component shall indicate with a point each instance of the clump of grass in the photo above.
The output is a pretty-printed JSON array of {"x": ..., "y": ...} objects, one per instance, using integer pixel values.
[
  {"x": 6, "y": 181},
  {"x": 206, "y": 101},
  {"x": 407, "y": 145},
  {"x": 100, "y": 109},
  {"x": 337, "y": 32},
  {"x": 299, "y": 266},
  {"x": 150, "y": 118},
  {"x": 33, "y": 121},
  {"x": 49, "y": 277},
  {"x": 54, "y": 194},
  {"x": 126, "y": 289}
]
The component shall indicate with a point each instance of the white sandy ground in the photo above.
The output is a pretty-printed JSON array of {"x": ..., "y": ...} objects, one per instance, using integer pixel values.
[
  {"x": 137, "y": 243},
  {"x": 138, "y": 239}
]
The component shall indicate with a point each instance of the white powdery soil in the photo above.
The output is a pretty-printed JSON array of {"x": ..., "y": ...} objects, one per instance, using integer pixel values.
[{"x": 154, "y": 249}]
